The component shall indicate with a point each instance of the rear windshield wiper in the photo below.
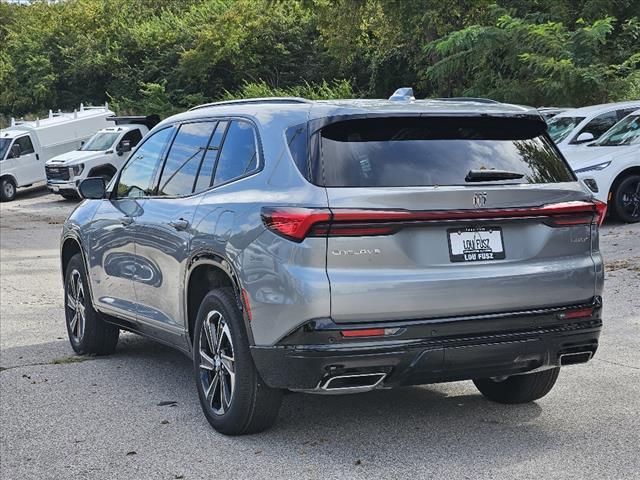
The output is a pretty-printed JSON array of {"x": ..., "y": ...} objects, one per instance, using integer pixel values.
[{"x": 489, "y": 175}]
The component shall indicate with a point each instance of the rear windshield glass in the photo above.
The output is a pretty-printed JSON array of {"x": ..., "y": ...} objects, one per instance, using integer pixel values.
[{"x": 396, "y": 152}]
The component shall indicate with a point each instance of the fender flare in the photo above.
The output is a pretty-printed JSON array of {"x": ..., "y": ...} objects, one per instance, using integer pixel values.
[{"x": 215, "y": 259}]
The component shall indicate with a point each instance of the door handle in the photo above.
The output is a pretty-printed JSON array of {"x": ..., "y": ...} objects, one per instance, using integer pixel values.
[
  {"x": 126, "y": 220},
  {"x": 179, "y": 224}
]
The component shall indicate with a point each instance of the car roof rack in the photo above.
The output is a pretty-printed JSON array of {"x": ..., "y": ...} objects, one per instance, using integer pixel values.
[
  {"x": 148, "y": 121},
  {"x": 467, "y": 99},
  {"x": 250, "y": 101}
]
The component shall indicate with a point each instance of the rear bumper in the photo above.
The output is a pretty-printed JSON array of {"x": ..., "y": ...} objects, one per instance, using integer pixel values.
[{"x": 429, "y": 351}]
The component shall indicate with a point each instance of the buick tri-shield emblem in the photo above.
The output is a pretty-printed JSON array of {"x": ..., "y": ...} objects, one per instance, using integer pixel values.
[{"x": 479, "y": 199}]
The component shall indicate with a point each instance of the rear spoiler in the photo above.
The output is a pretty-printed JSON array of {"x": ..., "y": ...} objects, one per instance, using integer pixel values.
[{"x": 148, "y": 121}]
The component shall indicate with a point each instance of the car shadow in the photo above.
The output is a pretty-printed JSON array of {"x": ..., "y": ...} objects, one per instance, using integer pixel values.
[{"x": 427, "y": 423}]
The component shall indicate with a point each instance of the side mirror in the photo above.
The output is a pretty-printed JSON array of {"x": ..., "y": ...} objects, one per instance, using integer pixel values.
[
  {"x": 93, "y": 188},
  {"x": 15, "y": 151},
  {"x": 584, "y": 137},
  {"x": 124, "y": 146}
]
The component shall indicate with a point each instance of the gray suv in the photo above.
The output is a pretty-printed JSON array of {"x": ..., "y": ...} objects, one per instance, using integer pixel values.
[{"x": 339, "y": 247}]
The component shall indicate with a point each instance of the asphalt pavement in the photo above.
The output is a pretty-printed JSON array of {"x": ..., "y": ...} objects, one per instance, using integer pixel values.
[{"x": 135, "y": 414}]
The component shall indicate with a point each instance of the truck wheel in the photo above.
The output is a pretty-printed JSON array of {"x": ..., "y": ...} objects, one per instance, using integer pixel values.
[
  {"x": 88, "y": 332},
  {"x": 234, "y": 398},
  {"x": 70, "y": 195},
  {"x": 626, "y": 199},
  {"x": 7, "y": 190},
  {"x": 519, "y": 388}
]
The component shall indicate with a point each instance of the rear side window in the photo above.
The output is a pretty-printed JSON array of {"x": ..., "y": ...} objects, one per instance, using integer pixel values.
[
  {"x": 398, "y": 152},
  {"x": 238, "y": 156},
  {"x": 183, "y": 162}
]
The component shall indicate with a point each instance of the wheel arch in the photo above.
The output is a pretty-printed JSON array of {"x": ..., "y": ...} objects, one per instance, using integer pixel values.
[
  {"x": 634, "y": 170},
  {"x": 10, "y": 177},
  {"x": 105, "y": 167},
  {"x": 70, "y": 246},
  {"x": 207, "y": 271}
]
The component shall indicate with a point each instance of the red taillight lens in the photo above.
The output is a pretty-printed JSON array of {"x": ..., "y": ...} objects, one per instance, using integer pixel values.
[
  {"x": 601, "y": 211},
  {"x": 292, "y": 222},
  {"x": 297, "y": 223},
  {"x": 581, "y": 313},
  {"x": 368, "y": 332}
]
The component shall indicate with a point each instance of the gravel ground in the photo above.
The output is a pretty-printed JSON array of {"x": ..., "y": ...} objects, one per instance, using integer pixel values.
[{"x": 71, "y": 418}]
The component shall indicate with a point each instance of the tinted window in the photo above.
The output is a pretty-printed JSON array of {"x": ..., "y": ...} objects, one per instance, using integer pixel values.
[
  {"x": 396, "y": 152},
  {"x": 205, "y": 176},
  {"x": 183, "y": 162},
  {"x": 297, "y": 141},
  {"x": 134, "y": 136},
  {"x": 238, "y": 156},
  {"x": 138, "y": 175},
  {"x": 26, "y": 147},
  {"x": 600, "y": 124}
]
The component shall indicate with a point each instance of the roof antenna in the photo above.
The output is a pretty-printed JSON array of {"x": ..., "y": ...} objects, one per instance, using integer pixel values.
[{"x": 404, "y": 94}]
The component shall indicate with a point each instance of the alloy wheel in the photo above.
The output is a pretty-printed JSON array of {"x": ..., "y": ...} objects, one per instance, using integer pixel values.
[
  {"x": 217, "y": 362},
  {"x": 631, "y": 199},
  {"x": 9, "y": 189},
  {"x": 76, "y": 304}
]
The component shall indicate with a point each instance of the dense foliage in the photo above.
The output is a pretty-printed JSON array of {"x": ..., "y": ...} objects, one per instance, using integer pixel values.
[{"x": 162, "y": 56}]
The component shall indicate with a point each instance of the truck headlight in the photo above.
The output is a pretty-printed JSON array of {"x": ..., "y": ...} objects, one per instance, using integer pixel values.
[
  {"x": 76, "y": 170},
  {"x": 599, "y": 166}
]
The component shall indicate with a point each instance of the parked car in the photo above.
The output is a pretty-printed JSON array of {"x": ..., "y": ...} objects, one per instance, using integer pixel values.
[
  {"x": 610, "y": 167},
  {"x": 340, "y": 247},
  {"x": 26, "y": 146},
  {"x": 578, "y": 126},
  {"x": 101, "y": 156},
  {"x": 549, "y": 112}
]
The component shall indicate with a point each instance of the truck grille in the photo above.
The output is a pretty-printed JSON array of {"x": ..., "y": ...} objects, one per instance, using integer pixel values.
[{"x": 57, "y": 173}]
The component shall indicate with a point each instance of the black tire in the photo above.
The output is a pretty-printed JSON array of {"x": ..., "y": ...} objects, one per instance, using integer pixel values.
[
  {"x": 7, "y": 189},
  {"x": 251, "y": 406},
  {"x": 90, "y": 334},
  {"x": 519, "y": 388},
  {"x": 625, "y": 199},
  {"x": 70, "y": 195}
]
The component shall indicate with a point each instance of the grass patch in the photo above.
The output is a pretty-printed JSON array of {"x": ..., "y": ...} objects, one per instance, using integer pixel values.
[{"x": 72, "y": 359}]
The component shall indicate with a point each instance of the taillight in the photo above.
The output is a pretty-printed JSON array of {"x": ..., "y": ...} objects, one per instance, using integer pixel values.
[
  {"x": 298, "y": 223},
  {"x": 601, "y": 211},
  {"x": 293, "y": 222}
]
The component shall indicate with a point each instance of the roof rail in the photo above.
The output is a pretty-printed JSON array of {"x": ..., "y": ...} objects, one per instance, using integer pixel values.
[
  {"x": 249, "y": 101},
  {"x": 467, "y": 99}
]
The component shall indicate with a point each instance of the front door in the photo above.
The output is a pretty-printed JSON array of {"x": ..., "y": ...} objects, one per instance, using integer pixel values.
[
  {"x": 27, "y": 167},
  {"x": 112, "y": 264}
]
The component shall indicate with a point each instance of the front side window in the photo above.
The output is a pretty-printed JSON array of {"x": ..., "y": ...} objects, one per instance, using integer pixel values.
[
  {"x": 183, "y": 162},
  {"x": 100, "y": 141},
  {"x": 599, "y": 124},
  {"x": 625, "y": 132},
  {"x": 138, "y": 175},
  {"x": 238, "y": 156},
  {"x": 26, "y": 147},
  {"x": 401, "y": 152},
  {"x": 4, "y": 147},
  {"x": 134, "y": 137},
  {"x": 561, "y": 127}
]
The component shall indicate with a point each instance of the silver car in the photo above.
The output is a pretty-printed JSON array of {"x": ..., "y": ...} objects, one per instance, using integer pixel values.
[{"x": 339, "y": 247}]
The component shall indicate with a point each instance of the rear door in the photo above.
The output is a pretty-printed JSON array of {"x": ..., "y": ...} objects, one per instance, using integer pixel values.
[{"x": 420, "y": 229}]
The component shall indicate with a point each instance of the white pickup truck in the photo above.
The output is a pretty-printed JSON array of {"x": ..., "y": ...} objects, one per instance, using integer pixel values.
[
  {"x": 101, "y": 156},
  {"x": 26, "y": 146}
]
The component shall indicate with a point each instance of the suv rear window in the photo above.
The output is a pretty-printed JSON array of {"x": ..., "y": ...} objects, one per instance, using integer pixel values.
[{"x": 398, "y": 152}]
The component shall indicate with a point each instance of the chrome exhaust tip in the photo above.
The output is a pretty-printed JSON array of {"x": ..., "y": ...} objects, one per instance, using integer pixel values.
[
  {"x": 354, "y": 383},
  {"x": 574, "y": 358}
]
